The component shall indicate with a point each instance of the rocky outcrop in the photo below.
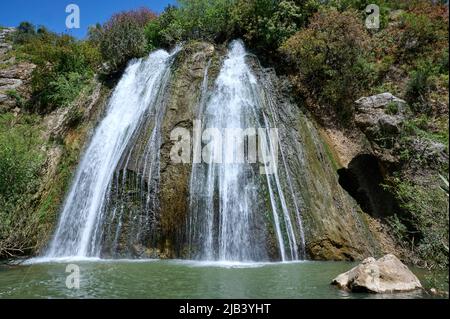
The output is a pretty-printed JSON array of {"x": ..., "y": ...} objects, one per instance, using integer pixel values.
[
  {"x": 4, "y": 33},
  {"x": 430, "y": 152},
  {"x": 14, "y": 76},
  {"x": 385, "y": 275},
  {"x": 380, "y": 114},
  {"x": 381, "y": 118}
]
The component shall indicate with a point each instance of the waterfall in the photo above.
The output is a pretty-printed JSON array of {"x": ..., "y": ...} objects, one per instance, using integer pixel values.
[
  {"x": 238, "y": 209},
  {"x": 228, "y": 208},
  {"x": 137, "y": 95}
]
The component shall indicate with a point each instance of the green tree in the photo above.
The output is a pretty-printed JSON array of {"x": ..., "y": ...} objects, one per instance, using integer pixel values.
[
  {"x": 330, "y": 57},
  {"x": 122, "y": 37}
]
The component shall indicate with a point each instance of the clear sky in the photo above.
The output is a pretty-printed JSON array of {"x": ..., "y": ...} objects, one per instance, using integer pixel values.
[{"x": 52, "y": 13}]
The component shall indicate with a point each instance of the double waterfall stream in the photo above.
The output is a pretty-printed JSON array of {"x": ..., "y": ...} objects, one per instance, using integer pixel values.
[{"x": 231, "y": 205}]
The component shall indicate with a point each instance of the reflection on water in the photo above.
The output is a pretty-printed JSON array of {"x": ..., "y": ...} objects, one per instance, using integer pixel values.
[{"x": 179, "y": 279}]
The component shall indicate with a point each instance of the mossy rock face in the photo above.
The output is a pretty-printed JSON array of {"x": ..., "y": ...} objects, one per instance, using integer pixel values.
[
  {"x": 158, "y": 229},
  {"x": 334, "y": 226},
  {"x": 181, "y": 109}
]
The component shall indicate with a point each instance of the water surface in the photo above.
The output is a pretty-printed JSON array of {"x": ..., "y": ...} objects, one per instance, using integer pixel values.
[{"x": 181, "y": 279}]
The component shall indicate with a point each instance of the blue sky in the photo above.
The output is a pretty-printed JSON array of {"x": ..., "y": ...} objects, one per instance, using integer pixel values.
[{"x": 52, "y": 13}]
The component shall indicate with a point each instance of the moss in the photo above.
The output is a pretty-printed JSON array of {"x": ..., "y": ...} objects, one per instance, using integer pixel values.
[{"x": 331, "y": 153}]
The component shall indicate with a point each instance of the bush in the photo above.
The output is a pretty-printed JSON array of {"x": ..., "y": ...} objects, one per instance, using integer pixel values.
[
  {"x": 165, "y": 31},
  {"x": 197, "y": 19},
  {"x": 418, "y": 33},
  {"x": 424, "y": 222},
  {"x": 202, "y": 19},
  {"x": 20, "y": 164},
  {"x": 64, "y": 89},
  {"x": 62, "y": 64},
  {"x": 25, "y": 31},
  {"x": 330, "y": 59},
  {"x": 19, "y": 161},
  {"x": 122, "y": 38},
  {"x": 265, "y": 24},
  {"x": 418, "y": 87},
  {"x": 423, "y": 32}
]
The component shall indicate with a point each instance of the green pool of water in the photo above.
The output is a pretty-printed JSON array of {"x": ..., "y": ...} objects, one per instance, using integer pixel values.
[{"x": 180, "y": 279}]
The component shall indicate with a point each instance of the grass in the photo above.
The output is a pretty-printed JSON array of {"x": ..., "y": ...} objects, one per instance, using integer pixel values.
[{"x": 21, "y": 159}]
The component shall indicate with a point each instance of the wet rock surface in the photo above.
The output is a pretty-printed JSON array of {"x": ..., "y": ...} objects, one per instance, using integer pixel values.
[
  {"x": 335, "y": 228},
  {"x": 182, "y": 108}
]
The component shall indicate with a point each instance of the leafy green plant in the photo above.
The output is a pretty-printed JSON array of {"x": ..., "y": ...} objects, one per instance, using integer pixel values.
[
  {"x": 64, "y": 89},
  {"x": 63, "y": 65},
  {"x": 25, "y": 31}
]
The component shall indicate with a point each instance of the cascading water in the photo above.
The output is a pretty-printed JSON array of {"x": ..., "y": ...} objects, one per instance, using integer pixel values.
[
  {"x": 137, "y": 95},
  {"x": 237, "y": 207},
  {"x": 228, "y": 208}
]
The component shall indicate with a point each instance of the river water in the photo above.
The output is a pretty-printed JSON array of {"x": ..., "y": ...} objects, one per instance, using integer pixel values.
[{"x": 182, "y": 279}]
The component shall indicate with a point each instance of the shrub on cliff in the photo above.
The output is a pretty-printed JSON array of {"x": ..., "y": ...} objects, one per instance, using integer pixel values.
[
  {"x": 61, "y": 61},
  {"x": 194, "y": 19},
  {"x": 24, "y": 32},
  {"x": 204, "y": 19},
  {"x": 423, "y": 225},
  {"x": 330, "y": 59},
  {"x": 122, "y": 38},
  {"x": 165, "y": 31},
  {"x": 265, "y": 24}
]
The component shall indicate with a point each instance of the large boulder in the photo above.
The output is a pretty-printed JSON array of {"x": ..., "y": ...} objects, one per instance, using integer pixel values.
[
  {"x": 380, "y": 114},
  {"x": 385, "y": 275}
]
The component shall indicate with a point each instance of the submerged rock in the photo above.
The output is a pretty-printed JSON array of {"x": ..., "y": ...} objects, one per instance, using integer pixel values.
[{"x": 385, "y": 275}]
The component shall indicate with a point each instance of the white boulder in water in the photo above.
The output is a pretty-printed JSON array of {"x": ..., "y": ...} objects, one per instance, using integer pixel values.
[{"x": 385, "y": 275}]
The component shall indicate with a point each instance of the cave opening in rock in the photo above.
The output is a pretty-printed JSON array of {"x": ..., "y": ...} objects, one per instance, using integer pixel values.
[{"x": 363, "y": 180}]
